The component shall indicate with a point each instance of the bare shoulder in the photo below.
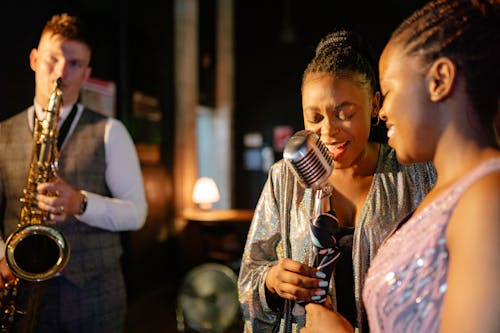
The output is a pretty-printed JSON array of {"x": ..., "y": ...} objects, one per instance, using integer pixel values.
[
  {"x": 473, "y": 243},
  {"x": 485, "y": 190},
  {"x": 478, "y": 211}
]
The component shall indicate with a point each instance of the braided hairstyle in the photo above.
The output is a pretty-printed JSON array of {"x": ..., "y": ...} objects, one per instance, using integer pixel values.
[
  {"x": 342, "y": 54},
  {"x": 468, "y": 33}
]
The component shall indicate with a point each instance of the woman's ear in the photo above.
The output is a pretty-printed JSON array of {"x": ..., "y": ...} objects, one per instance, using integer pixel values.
[{"x": 441, "y": 78}]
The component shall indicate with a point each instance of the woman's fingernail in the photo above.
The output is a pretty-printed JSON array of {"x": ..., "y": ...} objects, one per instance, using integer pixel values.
[
  {"x": 323, "y": 283},
  {"x": 320, "y": 292},
  {"x": 315, "y": 298},
  {"x": 320, "y": 274}
]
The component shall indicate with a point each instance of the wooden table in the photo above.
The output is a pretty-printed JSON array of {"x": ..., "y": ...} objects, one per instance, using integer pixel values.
[{"x": 217, "y": 235}]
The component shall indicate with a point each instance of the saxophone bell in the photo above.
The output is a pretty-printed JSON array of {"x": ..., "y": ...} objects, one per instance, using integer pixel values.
[{"x": 36, "y": 252}]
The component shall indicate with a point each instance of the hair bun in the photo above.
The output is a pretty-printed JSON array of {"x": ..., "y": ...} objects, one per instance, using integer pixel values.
[
  {"x": 347, "y": 39},
  {"x": 332, "y": 40}
]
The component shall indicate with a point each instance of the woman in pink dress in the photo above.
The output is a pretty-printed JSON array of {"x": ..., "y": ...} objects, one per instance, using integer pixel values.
[{"x": 439, "y": 271}]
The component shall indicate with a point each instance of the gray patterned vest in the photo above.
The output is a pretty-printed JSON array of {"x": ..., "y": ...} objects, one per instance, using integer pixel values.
[{"x": 81, "y": 164}]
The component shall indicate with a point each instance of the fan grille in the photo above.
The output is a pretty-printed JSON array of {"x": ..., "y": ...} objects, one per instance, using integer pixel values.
[{"x": 208, "y": 299}]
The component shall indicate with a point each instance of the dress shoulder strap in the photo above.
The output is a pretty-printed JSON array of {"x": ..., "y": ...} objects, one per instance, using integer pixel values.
[{"x": 482, "y": 170}]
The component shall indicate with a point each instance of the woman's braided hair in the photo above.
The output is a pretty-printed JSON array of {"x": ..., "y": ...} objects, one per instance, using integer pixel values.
[
  {"x": 344, "y": 53},
  {"x": 467, "y": 32}
]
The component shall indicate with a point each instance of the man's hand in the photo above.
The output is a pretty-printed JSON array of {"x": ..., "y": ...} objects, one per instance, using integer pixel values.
[
  {"x": 59, "y": 199},
  {"x": 6, "y": 275}
]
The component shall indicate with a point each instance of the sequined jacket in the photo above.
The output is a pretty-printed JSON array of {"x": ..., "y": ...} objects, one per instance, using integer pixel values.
[{"x": 280, "y": 229}]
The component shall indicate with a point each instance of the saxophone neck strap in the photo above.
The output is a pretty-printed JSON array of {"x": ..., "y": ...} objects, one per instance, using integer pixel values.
[{"x": 63, "y": 131}]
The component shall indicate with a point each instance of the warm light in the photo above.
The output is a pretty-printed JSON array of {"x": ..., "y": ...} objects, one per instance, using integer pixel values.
[{"x": 205, "y": 192}]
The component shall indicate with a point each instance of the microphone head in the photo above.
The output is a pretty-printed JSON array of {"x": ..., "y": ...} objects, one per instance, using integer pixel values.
[{"x": 309, "y": 159}]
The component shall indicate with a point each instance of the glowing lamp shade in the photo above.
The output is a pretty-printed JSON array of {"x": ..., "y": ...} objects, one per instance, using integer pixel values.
[{"x": 205, "y": 192}]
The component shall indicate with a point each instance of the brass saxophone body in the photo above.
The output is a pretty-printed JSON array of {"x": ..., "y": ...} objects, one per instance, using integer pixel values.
[{"x": 35, "y": 251}]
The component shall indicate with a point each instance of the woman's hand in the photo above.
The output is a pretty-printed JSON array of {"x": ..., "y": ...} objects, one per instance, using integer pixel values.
[
  {"x": 295, "y": 281},
  {"x": 320, "y": 319}
]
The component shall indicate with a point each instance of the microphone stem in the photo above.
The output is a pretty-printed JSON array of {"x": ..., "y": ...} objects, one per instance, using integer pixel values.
[{"x": 322, "y": 203}]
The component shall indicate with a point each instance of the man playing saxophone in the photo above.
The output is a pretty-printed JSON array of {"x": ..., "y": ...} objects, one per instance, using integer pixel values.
[{"x": 97, "y": 190}]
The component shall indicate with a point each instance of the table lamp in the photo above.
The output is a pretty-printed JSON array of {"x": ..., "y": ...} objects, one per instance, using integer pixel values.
[{"x": 205, "y": 193}]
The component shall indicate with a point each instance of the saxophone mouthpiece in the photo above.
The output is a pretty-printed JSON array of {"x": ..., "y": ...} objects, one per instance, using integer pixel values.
[{"x": 59, "y": 82}]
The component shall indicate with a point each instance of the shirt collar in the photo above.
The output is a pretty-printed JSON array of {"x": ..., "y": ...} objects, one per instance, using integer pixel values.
[{"x": 63, "y": 113}]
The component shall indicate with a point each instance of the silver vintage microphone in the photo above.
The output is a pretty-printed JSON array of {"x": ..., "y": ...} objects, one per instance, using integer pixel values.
[
  {"x": 309, "y": 160},
  {"x": 311, "y": 163}
]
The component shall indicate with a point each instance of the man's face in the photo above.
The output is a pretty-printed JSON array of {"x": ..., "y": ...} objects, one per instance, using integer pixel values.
[{"x": 58, "y": 57}]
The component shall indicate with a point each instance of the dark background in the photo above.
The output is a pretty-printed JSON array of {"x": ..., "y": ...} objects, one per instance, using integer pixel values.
[{"x": 134, "y": 48}]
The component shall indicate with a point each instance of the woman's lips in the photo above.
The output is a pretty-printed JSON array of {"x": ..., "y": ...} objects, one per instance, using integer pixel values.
[
  {"x": 390, "y": 132},
  {"x": 337, "y": 149}
]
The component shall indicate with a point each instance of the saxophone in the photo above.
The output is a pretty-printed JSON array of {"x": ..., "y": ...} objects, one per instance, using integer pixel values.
[{"x": 35, "y": 251}]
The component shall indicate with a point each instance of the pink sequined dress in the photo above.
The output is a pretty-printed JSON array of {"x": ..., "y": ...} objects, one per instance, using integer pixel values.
[{"x": 406, "y": 282}]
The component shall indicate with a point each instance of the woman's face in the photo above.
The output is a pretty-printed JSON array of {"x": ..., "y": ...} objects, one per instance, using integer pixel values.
[
  {"x": 409, "y": 114},
  {"x": 339, "y": 110}
]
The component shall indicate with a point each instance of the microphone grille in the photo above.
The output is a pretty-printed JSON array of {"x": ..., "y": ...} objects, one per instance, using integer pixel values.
[{"x": 309, "y": 159}]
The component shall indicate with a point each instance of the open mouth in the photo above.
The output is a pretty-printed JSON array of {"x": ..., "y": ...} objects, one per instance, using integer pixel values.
[
  {"x": 390, "y": 131},
  {"x": 337, "y": 149}
]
